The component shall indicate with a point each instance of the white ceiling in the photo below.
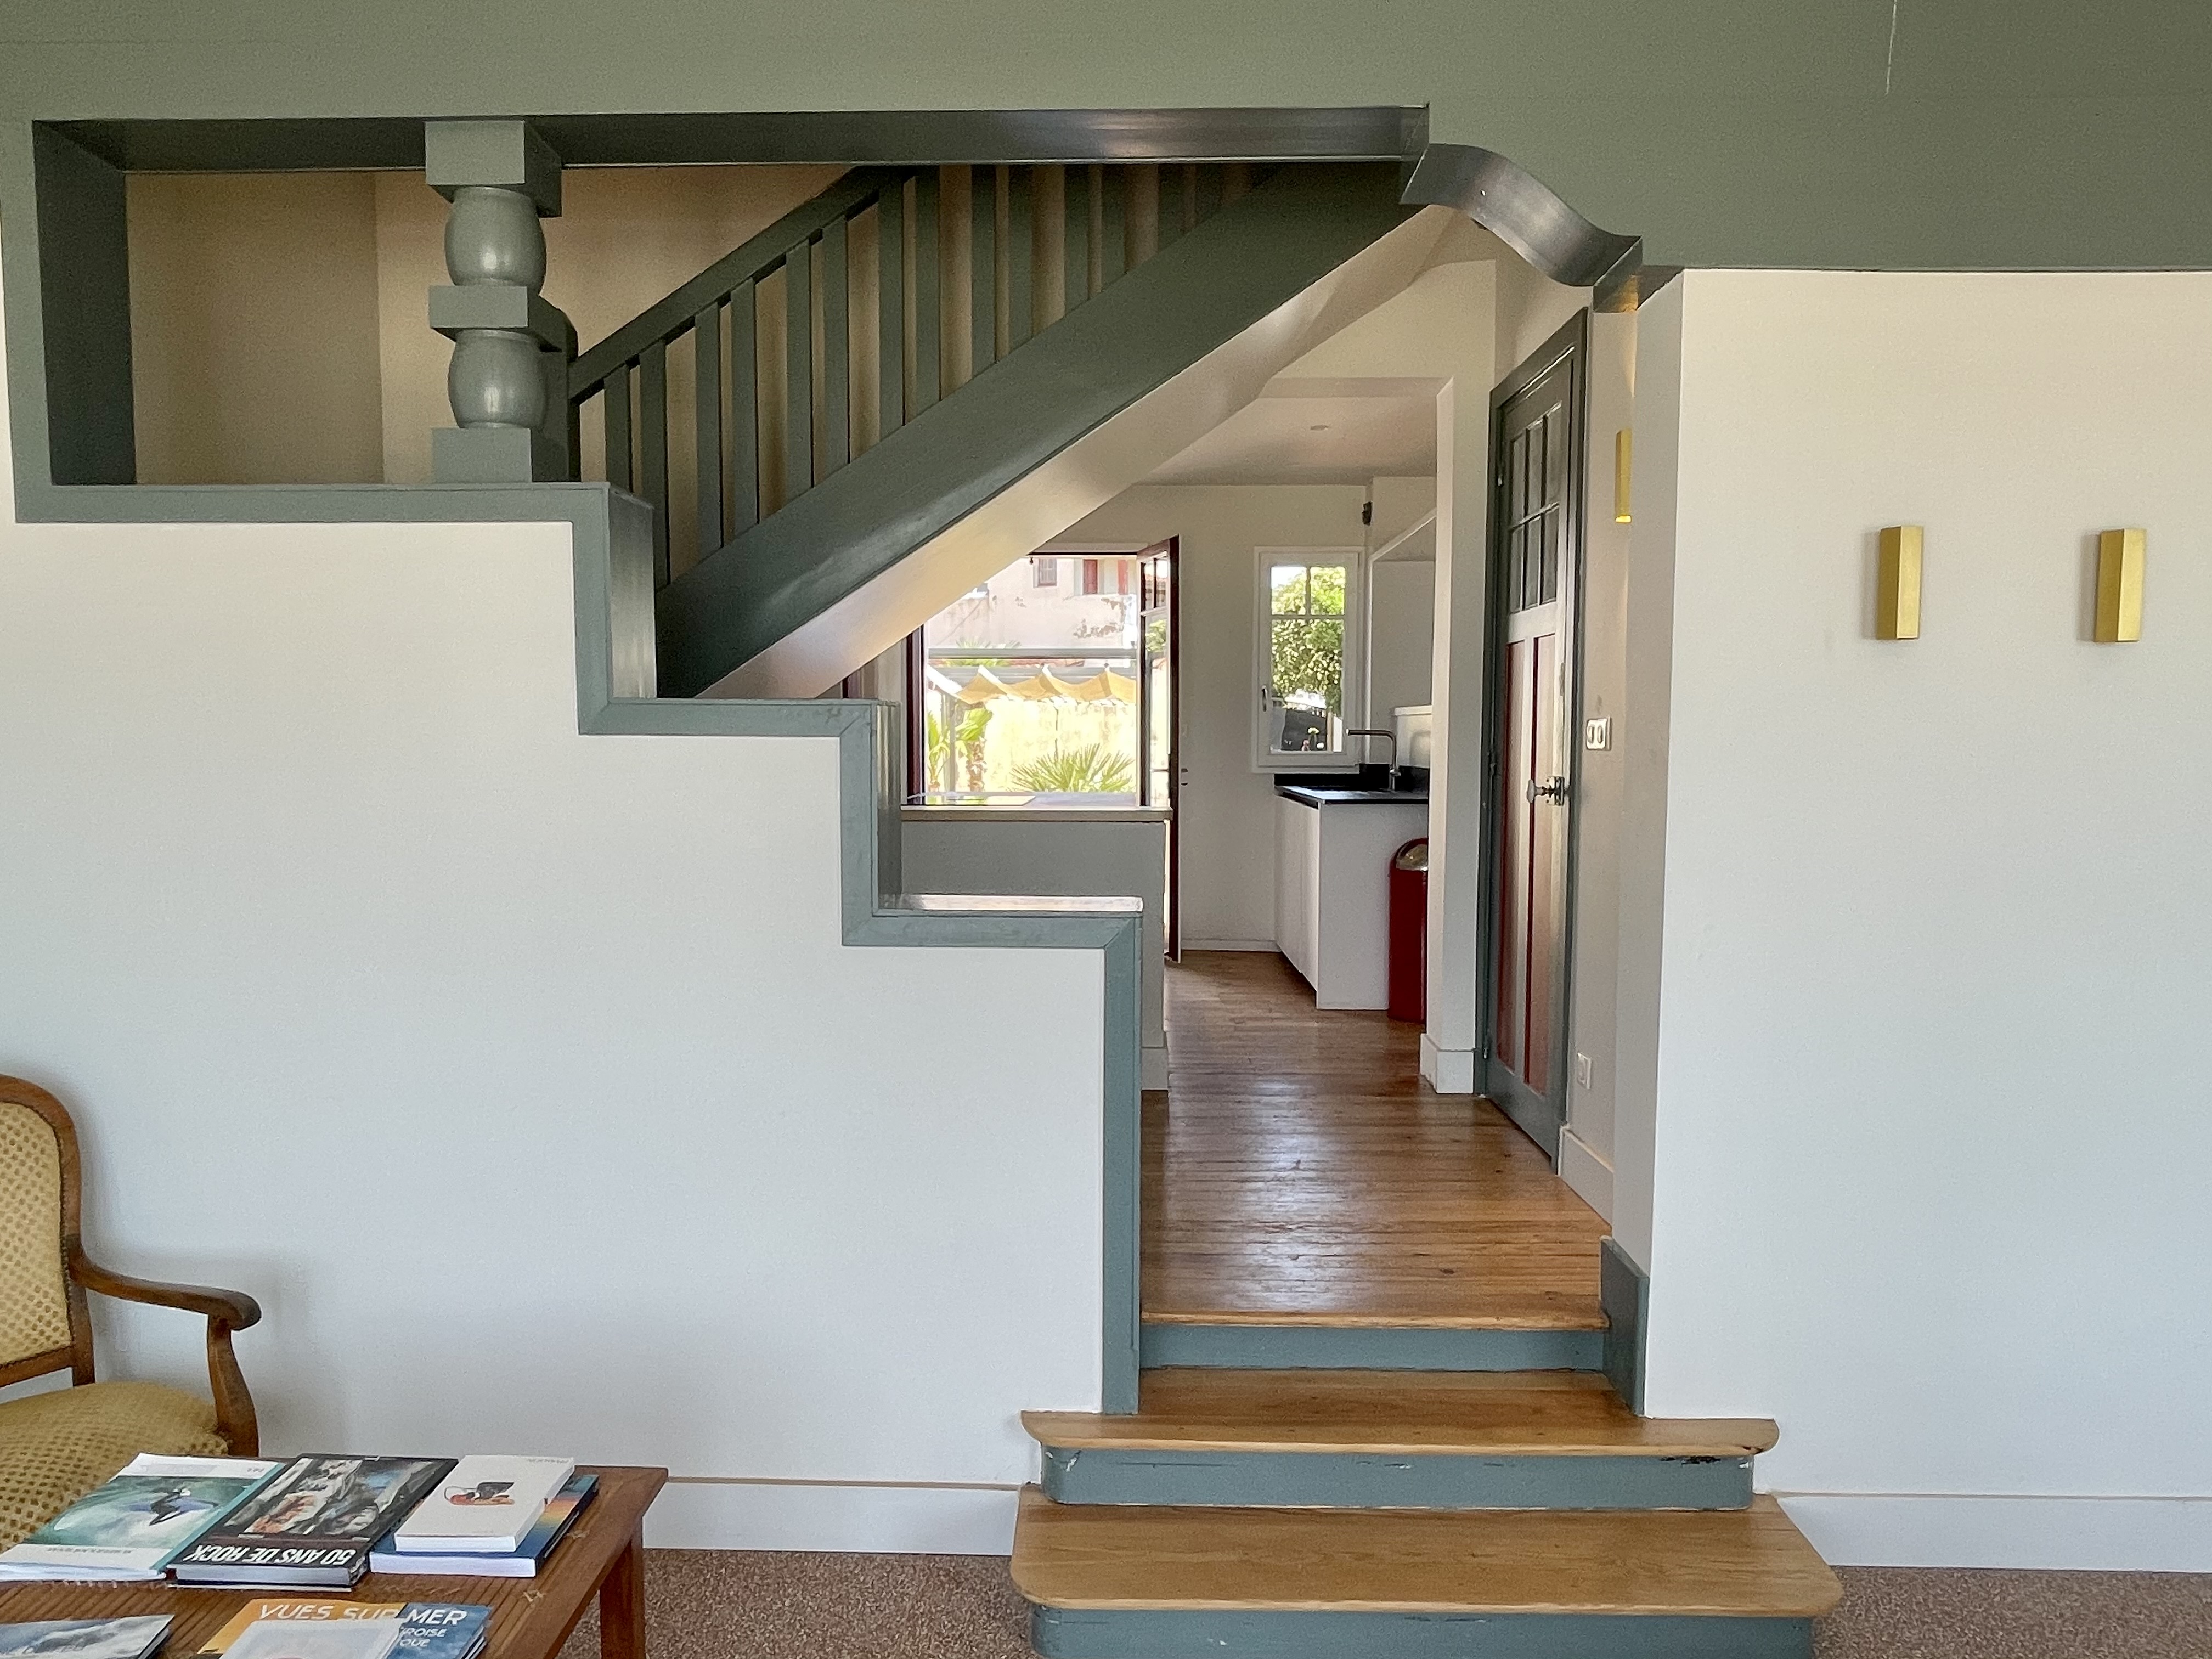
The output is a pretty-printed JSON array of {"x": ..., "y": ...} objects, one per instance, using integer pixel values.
[{"x": 1316, "y": 432}]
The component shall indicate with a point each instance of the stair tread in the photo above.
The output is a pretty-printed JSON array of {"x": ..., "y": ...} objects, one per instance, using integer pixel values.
[
  {"x": 1562, "y": 1414},
  {"x": 1748, "y": 1563}
]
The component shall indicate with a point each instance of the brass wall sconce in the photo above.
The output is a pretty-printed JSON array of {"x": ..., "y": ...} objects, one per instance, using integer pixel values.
[
  {"x": 2120, "y": 587},
  {"x": 1623, "y": 442},
  {"x": 1897, "y": 584}
]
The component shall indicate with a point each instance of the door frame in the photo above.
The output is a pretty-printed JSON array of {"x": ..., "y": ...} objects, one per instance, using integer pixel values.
[
  {"x": 1542, "y": 1122},
  {"x": 1171, "y": 551}
]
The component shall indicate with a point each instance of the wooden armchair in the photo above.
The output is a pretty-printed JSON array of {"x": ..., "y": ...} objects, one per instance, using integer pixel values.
[{"x": 59, "y": 1445}]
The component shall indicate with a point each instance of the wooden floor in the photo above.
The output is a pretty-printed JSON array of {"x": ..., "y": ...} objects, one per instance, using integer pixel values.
[{"x": 1298, "y": 1171}]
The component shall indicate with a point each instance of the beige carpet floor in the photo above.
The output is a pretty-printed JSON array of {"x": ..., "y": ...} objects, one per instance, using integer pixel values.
[{"x": 708, "y": 1604}]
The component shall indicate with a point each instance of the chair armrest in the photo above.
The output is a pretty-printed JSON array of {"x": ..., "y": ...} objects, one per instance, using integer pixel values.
[
  {"x": 225, "y": 1311},
  {"x": 233, "y": 1308}
]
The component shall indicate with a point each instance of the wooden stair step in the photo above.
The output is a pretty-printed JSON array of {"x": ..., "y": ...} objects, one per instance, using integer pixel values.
[
  {"x": 1738, "y": 1564},
  {"x": 1485, "y": 1414}
]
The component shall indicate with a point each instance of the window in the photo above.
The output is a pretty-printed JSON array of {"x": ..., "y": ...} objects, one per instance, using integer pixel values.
[
  {"x": 1310, "y": 622},
  {"x": 1029, "y": 693}
]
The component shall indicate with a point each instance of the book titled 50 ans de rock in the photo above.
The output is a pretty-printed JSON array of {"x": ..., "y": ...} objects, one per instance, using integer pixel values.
[{"x": 314, "y": 1524}]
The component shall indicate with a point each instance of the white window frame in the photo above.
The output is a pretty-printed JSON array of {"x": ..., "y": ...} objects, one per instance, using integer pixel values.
[{"x": 1354, "y": 561}]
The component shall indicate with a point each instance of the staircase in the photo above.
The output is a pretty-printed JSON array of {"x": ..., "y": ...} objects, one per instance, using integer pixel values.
[
  {"x": 1407, "y": 1514},
  {"x": 923, "y": 372}
]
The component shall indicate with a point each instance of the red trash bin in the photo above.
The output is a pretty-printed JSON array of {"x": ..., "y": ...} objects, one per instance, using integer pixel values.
[{"x": 1409, "y": 931}]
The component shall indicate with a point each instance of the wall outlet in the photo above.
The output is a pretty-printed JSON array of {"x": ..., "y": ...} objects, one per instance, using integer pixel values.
[
  {"x": 1582, "y": 1070},
  {"x": 1598, "y": 733}
]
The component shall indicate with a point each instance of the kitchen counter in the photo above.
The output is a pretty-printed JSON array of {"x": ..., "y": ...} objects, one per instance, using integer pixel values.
[
  {"x": 1310, "y": 795},
  {"x": 1333, "y": 850}
]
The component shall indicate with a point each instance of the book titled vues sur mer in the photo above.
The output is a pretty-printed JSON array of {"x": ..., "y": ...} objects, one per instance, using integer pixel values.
[{"x": 313, "y": 1525}]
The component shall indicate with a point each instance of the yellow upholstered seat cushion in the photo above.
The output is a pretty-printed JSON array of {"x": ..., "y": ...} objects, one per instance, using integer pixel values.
[{"x": 58, "y": 1446}]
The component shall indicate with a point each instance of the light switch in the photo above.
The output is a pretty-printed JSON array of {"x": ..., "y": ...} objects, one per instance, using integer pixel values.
[
  {"x": 1598, "y": 733},
  {"x": 1582, "y": 1070}
]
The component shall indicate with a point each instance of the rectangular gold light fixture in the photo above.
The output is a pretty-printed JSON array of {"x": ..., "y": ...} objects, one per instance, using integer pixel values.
[
  {"x": 1897, "y": 584},
  {"x": 1622, "y": 442},
  {"x": 2120, "y": 587}
]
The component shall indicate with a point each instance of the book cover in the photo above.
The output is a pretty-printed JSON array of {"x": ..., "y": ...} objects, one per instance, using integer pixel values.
[
  {"x": 84, "y": 1639},
  {"x": 317, "y": 1638},
  {"x": 284, "y": 1607},
  {"x": 443, "y": 1629},
  {"x": 552, "y": 1527},
  {"x": 485, "y": 1503},
  {"x": 128, "y": 1528},
  {"x": 318, "y": 1516}
]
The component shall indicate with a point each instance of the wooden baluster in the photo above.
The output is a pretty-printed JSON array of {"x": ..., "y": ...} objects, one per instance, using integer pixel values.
[
  {"x": 1113, "y": 233},
  {"x": 1082, "y": 191},
  {"x": 1174, "y": 179},
  {"x": 706, "y": 354},
  {"x": 615, "y": 397},
  {"x": 891, "y": 310},
  {"x": 929, "y": 296},
  {"x": 744, "y": 410},
  {"x": 1205, "y": 193},
  {"x": 652, "y": 448},
  {"x": 799, "y": 378},
  {"x": 836, "y": 351},
  {"x": 983, "y": 268},
  {"x": 1236, "y": 180},
  {"x": 1021, "y": 258}
]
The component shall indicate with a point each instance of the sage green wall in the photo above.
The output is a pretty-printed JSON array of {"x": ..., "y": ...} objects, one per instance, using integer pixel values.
[{"x": 1849, "y": 133}]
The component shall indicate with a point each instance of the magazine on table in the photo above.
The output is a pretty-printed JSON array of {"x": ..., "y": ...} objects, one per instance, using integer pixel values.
[
  {"x": 132, "y": 1527},
  {"x": 426, "y": 1630},
  {"x": 84, "y": 1639},
  {"x": 485, "y": 1504}
]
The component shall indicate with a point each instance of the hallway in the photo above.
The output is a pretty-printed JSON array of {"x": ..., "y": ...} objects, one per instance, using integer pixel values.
[{"x": 1298, "y": 1171}]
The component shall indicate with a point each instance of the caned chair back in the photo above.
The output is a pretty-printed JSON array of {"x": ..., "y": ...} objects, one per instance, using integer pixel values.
[{"x": 40, "y": 1316}]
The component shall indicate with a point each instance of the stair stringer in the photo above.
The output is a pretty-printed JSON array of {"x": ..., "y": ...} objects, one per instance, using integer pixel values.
[{"x": 1083, "y": 476}]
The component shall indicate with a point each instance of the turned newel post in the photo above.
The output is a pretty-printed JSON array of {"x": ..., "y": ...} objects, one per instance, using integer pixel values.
[{"x": 509, "y": 379}]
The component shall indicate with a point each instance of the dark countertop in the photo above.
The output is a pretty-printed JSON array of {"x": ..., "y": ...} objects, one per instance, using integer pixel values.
[{"x": 1309, "y": 794}]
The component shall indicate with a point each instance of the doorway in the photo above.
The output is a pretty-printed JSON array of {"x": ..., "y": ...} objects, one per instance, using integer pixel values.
[
  {"x": 1538, "y": 440},
  {"x": 1159, "y": 720}
]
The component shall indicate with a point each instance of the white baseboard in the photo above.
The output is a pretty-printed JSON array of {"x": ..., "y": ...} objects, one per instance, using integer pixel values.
[
  {"x": 1228, "y": 944},
  {"x": 850, "y": 1517},
  {"x": 1586, "y": 1172},
  {"x": 1153, "y": 1069},
  {"x": 1913, "y": 1530},
  {"x": 1447, "y": 1071}
]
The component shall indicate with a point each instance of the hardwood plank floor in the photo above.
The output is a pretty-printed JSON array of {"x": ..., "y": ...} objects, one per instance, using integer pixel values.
[{"x": 1298, "y": 1171}]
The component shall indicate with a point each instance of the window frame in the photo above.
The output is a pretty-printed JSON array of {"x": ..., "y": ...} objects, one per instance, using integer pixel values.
[{"x": 1264, "y": 757}]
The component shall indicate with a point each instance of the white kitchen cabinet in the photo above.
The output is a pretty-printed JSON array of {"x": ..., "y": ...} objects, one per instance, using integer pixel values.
[{"x": 1333, "y": 890}]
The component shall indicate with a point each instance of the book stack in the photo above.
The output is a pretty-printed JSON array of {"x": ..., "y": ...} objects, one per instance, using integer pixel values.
[
  {"x": 84, "y": 1639},
  {"x": 316, "y": 1523}
]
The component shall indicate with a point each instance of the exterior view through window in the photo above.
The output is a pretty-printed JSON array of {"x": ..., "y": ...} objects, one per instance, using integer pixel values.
[
  {"x": 1031, "y": 685},
  {"x": 1303, "y": 640}
]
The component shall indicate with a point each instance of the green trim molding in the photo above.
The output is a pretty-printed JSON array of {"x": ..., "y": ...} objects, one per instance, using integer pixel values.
[
  {"x": 1371, "y": 1348},
  {"x": 1268, "y": 1633},
  {"x": 1428, "y": 1480}
]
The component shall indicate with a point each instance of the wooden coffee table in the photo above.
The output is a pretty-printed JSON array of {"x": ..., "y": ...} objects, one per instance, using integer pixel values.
[{"x": 603, "y": 1555}]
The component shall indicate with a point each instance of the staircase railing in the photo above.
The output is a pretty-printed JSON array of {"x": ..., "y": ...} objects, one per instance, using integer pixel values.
[{"x": 1027, "y": 244}]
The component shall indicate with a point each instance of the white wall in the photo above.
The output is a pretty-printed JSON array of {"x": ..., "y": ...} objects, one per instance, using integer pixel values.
[
  {"x": 1099, "y": 855},
  {"x": 1932, "y": 1128},
  {"x": 521, "y": 1074},
  {"x": 1227, "y": 810}
]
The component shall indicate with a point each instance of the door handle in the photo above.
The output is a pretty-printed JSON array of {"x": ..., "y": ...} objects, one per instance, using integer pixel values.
[{"x": 1554, "y": 791}]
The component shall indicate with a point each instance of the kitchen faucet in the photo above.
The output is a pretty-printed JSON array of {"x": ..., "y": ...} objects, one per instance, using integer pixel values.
[{"x": 1375, "y": 731}]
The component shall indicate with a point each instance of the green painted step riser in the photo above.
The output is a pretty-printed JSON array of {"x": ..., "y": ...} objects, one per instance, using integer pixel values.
[
  {"x": 1338, "y": 1347},
  {"x": 1432, "y": 1481},
  {"x": 1072, "y": 1633}
]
